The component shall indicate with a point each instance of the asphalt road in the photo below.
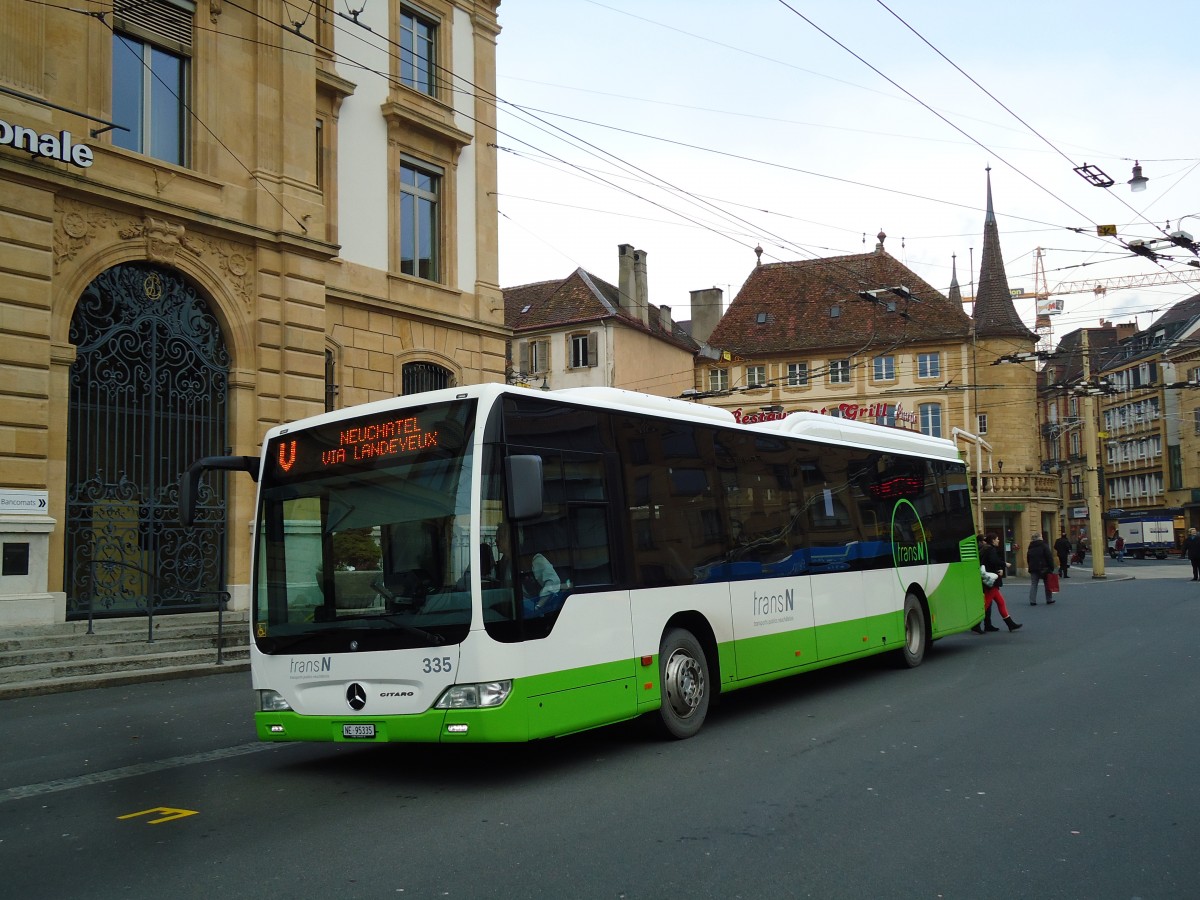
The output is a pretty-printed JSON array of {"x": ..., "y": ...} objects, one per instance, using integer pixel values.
[{"x": 1057, "y": 761}]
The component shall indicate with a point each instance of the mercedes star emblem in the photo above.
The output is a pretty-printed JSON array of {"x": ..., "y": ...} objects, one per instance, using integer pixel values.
[{"x": 356, "y": 696}]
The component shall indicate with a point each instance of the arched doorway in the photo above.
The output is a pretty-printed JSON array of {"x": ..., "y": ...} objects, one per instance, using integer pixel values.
[{"x": 148, "y": 395}]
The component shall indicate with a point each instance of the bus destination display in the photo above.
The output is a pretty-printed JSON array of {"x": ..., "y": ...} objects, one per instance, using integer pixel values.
[{"x": 355, "y": 443}]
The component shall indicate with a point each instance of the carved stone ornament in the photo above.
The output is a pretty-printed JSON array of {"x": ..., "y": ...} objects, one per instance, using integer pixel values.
[
  {"x": 75, "y": 226},
  {"x": 236, "y": 263},
  {"x": 164, "y": 239}
]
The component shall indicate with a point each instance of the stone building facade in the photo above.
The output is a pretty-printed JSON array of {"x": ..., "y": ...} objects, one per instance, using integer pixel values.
[{"x": 216, "y": 219}]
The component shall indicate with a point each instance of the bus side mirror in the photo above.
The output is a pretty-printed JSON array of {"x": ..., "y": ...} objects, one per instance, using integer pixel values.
[
  {"x": 524, "y": 476},
  {"x": 189, "y": 485}
]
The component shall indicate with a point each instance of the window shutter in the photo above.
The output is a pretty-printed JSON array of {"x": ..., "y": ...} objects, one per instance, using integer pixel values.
[
  {"x": 593, "y": 349},
  {"x": 523, "y": 357},
  {"x": 170, "y": 22}
]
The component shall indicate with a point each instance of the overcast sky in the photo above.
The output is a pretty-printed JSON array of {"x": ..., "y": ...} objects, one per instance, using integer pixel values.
[{"x": 697, "y": 129}]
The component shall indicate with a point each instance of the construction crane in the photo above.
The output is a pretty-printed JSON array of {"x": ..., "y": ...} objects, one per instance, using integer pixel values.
[{"x": 1048, "y": 303}]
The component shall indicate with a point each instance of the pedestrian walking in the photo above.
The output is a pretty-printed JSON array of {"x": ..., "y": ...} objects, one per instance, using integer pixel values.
[
  {"x": 1040, "y": 562},
  {"x": 992, "y": 559},
  {"x": 1191, "y": 549},
  {"x": 1062, "y": 549},
  {"x": 1119, "y": 546}
]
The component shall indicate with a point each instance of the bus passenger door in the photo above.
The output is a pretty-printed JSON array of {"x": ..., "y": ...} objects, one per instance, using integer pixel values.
[
  {"x": 576, "y": 628},
  {"x": 834, "y": 566}
]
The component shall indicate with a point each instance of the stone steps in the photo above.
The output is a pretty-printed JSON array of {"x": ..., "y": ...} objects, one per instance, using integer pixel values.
[{"x": 48, "y": 659}]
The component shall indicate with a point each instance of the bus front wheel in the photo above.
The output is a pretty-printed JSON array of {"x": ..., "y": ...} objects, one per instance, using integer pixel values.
[
  {"x": 916, "y": 632},
  {"x": 683, "y": 674}
]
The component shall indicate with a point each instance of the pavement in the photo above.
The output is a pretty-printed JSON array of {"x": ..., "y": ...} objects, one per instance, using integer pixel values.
[{"x": 1129, "y": 570}]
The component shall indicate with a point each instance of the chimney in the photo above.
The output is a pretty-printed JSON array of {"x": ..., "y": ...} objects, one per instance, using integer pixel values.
[
  {"x": 1126, "y": 330},
  {"x": 664, "y": 319},
  {"x": 641, "y": 290},
  {"x": 706, "y": 313},
  {"x": 625, "y": 278}
]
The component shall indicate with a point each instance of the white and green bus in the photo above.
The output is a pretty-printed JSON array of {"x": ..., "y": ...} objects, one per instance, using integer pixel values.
[{"x": 493, "y": 563}]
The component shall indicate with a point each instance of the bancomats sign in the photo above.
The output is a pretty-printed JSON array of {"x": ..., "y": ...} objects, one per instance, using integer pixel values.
[{"x": 58, "y": 146}]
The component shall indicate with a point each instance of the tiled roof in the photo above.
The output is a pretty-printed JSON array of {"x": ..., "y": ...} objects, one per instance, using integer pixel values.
[
  {"x": 1180, "y": 313},
  {"x": 575, "y": 300},
  {"x": 1171, "y": 323},
  {"x": 1067, "y": 365},
  {"x": 784, "y": 307}
]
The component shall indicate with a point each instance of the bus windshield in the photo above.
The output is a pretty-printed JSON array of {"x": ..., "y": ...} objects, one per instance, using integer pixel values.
[{"x": 363, "y": 533}]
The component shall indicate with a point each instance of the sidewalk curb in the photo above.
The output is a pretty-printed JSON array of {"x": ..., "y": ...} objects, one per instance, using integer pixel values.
[{"x": 1091, "y": 579}]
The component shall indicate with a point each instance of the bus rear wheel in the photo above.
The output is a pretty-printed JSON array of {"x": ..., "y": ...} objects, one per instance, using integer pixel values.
[
  {"x": 916, "y": 632},
  {"x": 683, "y": 674}
]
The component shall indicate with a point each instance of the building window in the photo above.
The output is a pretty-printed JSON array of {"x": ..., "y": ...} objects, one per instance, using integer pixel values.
[
  {"x": 931, "y": 419},
  {"x": 929, "y": 365},
  {"x": 150, "y": 78},
  {"x": 419, "y": 188},
  {"x": 718, "y": 379},
  {"x": 417, "y": 377},
  {"x": 981, "y": 427},
  {"x": 756, "y": 376},
  {"x": 331, "y": 385},
  {"x": 535, "y": 357},
  {"x": 320, "y": 160},
  {"x": 582, "y": 350},
  {"x": 885, "y": 368},
  {"x": 839, "y": 371},
  {"x": 797, "y": 375},
  {"x": 418, "y": 52}
]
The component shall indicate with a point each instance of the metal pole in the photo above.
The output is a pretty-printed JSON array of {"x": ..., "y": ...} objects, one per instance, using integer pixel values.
[
  {"x": 91, "y": 594},
  {"x": 222, "y": 597},
  {"x": 1095, "y": 515}
]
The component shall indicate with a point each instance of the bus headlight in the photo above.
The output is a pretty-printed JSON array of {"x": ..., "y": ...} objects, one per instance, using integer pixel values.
[
  {"x": 272, "y": 701},
  {"x": 474, "y": 696}
]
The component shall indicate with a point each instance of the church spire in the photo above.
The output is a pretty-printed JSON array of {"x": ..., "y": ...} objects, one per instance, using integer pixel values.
[
  {"x": 955, "y": 293},
  {"x": 995, "y": 315}
]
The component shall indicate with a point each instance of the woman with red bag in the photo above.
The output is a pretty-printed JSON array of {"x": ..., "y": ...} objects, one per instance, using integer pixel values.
[{"x": 992, "y": 558}]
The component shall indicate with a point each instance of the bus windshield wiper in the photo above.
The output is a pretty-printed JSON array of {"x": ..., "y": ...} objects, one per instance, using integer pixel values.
[{"x": 407, "y": 629}]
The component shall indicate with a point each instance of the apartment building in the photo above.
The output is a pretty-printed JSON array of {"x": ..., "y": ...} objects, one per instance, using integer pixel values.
[{"x": 583, "y": 331}]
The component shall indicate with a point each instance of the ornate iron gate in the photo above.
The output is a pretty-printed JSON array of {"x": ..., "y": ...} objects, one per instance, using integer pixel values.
[{"x": 148, "y": 397}]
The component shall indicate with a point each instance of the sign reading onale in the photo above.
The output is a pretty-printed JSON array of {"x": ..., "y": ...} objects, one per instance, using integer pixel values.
[{"x": 58, "y": 146}]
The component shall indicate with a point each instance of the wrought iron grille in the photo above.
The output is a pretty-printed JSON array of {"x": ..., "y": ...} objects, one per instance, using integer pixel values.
[
  {"x": 423, "y": 376},
  {"x": 148, "y": 397}
]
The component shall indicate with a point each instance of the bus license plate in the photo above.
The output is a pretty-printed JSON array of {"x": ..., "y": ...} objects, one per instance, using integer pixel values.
[{"x": 358, "y": 731}]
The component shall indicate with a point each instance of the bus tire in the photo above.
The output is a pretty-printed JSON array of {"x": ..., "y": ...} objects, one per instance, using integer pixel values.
[
  {"x": 916, "y": 632},
  {"x": 686, "y": 690}
]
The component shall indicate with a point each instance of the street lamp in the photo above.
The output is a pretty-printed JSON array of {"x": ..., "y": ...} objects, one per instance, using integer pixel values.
[{"x": 1139, "y": 181}]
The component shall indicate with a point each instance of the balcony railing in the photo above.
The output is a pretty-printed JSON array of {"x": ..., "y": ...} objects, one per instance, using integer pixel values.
[{"x": 1018, "y": 484}]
